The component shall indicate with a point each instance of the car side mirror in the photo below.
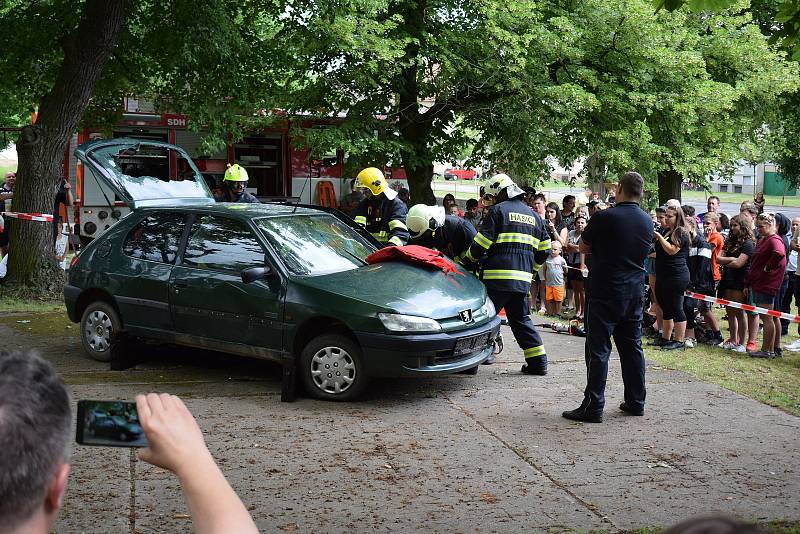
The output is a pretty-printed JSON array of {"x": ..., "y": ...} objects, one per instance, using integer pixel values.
[{"x": 251, "y": 274}]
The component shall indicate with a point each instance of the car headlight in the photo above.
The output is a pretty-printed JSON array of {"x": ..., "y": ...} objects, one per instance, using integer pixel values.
[
  {"x": 487, "y": 309},
  {"x": 408, "y": 323}
]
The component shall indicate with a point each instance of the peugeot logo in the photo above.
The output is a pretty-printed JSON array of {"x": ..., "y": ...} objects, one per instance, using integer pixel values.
[{"x": 466, "y": 315}]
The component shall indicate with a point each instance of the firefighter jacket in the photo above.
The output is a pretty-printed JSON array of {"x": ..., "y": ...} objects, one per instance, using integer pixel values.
[
  {"x": 453, "y": 238},
  {"x": 700, "y": 269},
  {"x": 244, "y": 198},
  {"x": 383, "y": 218},
  {"x": 515, "y": 242}
]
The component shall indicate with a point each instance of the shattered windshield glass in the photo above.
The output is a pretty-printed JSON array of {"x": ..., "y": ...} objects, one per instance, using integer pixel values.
[
  {"x": 315, "y": 244},
  {"x": 151, "y": 172}
]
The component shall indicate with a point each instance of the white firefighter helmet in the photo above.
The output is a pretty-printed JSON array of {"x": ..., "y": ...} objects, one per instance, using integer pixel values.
[
  {"x": 422, "y": 218},
  {"x": 498, "y": 182}
]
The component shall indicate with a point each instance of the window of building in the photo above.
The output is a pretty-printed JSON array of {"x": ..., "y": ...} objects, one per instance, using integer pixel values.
[
  {"x": 747, "y": 180},
  {"x": 737, "y": 188},
  {"x": 723, "y": 188},
  {"x": 222, "y": 244},
  {"x": 155, "y": 238}
]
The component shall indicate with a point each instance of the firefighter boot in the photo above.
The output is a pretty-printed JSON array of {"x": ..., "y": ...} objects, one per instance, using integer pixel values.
[{"x": 535, "y": 366}]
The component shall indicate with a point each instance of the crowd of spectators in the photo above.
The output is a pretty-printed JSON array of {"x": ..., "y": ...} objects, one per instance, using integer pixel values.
[
  {"x": 708, "y": 253},
  {"x": 750, "y": 258}
]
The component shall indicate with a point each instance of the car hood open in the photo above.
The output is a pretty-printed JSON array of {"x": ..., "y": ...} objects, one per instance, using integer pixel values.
[{"x": 404, "y": 288}]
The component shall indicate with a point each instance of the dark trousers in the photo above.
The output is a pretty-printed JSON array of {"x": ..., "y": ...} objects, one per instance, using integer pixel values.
[
  {"x": 622, "y": 319},
  {"x": 789, "y": 281},
  {"x": 517, "y": 313}
]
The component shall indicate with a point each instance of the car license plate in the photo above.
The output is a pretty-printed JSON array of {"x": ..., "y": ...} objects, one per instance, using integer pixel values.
[{"x": 471, "y": 344}]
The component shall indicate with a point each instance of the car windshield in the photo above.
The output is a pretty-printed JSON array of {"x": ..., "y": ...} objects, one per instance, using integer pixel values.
[
  {"x": 151, "y": 172},
  {"x": 315, "y": 244}
]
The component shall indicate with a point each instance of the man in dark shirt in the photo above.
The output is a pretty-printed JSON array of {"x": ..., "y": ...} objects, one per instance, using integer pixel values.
[{"x": 618, "y": 240}]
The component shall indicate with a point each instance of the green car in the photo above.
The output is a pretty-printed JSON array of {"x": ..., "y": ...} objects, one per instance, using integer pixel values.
[{"x": 280, "y": 282}]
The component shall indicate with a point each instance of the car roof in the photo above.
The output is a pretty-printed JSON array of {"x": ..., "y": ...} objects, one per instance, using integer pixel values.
[{"x": 243, "y": 210}]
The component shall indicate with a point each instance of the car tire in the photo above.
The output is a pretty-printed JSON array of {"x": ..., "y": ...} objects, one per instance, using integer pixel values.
[
  {"x": 332, "y": 369},
  {"x": 99, "y": 326}
]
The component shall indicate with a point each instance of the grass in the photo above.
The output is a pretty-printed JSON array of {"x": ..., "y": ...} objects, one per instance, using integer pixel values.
[
  {"x": 737, "y": 198},
  {"x": 773, "y": 527},
  {"x": 4, "y": 169},
  {"x": 19, "y": 302},
  {"x": 774, "y": 382}
]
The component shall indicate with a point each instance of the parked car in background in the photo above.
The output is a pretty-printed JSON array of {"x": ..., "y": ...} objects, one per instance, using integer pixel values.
[
  {"x": 279, "y": 282},
  {"x": 461, "y": 174}
]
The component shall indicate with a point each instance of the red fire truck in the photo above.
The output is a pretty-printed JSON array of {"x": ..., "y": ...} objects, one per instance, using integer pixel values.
[{"x": 278, "y": 169}]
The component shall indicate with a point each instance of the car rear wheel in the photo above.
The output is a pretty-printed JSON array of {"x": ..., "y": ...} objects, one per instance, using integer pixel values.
[
  {"x": 332, "y": 369},
  {"x": 99, "y": 324}
]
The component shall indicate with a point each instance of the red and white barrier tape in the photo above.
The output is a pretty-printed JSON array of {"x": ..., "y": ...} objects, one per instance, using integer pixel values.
[
  {"x": 43, "y": 217},
  {"x": 745, "y": 307}
]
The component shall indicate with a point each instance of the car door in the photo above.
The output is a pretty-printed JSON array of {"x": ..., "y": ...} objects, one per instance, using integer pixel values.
[
  {"x": 149, "y": 251},
  {"x": 207, "y": 296}
]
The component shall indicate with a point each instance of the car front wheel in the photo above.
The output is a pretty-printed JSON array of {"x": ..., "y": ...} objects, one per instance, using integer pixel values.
[
  {"x": 332, "y": 369},
  {"x": 99, "y": 324}
]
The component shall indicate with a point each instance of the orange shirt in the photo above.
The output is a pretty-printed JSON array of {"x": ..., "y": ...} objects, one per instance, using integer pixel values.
[{"x": 716, "y": 240}]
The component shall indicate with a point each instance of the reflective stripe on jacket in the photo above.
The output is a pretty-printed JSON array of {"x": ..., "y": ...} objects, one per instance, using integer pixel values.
[
  {"x": 383, "y": 218},
  {"x": 514, "y": 241}
]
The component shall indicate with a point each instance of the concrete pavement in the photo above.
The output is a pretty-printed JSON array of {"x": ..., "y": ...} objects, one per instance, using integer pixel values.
[{"x": 485, "y": 453}]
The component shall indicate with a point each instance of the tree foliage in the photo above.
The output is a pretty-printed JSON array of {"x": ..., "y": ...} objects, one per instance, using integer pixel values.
[
  {"x": 196, "y": 54},
  {"x": 784, "y": 22}
]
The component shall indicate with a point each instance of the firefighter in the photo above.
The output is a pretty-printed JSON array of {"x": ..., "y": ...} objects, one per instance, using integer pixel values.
[
  {"x": 515, "y": 243},
  {"x": 234, "y": 184},
  {"x": 430, "y": 227},
  {"x": 381, "y": 213}
]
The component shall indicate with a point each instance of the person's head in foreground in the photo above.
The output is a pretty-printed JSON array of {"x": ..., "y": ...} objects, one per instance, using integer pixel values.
[
  {"x": 35, "y": 425},
  {"x": 35, "y": 431}
]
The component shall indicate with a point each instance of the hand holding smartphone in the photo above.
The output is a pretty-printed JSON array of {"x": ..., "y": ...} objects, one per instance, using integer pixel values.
[{"x": 109, "y": 424}]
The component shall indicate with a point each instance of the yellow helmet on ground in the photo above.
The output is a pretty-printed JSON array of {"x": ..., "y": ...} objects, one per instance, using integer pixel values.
[
  {"x": 422, "y": 218},
  {"x": 374, "y": 180},
  {"x": 235, "y": 173},
  {"x": 498, "y": 182}
]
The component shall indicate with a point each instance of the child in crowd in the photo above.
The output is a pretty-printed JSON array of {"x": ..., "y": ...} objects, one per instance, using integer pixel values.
[
  {"x": 554, "y": 269},
  {"x": 717, "y": 242},
  {"x": 575, "y": 260}
]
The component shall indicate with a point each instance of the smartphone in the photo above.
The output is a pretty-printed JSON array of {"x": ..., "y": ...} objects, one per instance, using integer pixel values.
[{"x": 109, "y": 424}]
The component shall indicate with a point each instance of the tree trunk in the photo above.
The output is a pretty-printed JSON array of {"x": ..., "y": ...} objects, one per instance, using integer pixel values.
[
  {"x": 414, "y": 127},
  {"x": 41, "y": 145},
  {"x": 669, "y": 185},
  {"x": 596, "y": 172},
  {"x": 419, "y": 183}
]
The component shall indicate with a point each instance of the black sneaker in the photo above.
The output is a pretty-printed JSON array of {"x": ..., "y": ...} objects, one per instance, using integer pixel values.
[
  {"x": 660, "y": 342},
  {"x": 761, "y": 354},
  {"x": 778, "y": 352},
  {"x": 582, "y": 414},
  {"x": 528, "y": 370},
  {"x": 673, "y": 345},
  {"x": 629, "y": 410},
  {"x": 714, "y": 340}
]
